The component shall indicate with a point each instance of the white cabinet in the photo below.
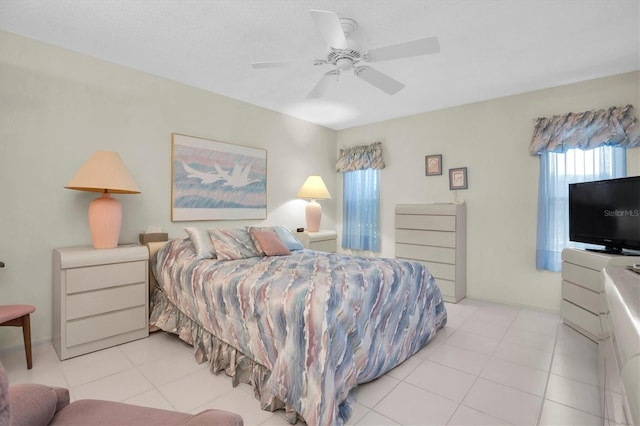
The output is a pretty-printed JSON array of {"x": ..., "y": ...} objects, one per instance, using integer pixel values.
[
  {"x": 100, "y": 298},
  {"x": 582, "y": 287},
  {"x": 320, "y": 241},
  {"x": 436, "y": 235}
]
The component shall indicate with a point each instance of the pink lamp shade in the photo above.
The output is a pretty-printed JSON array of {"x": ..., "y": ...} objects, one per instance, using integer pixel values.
[
  {"x": 315, "y": 189},
  {"x": 104, "y": 172}
]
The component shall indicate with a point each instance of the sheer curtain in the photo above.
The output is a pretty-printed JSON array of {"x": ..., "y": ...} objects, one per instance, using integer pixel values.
[
  {"x": 361, "y": 211},
  {"x": 557, "y": 171},
  {"x": 361, "y": 166}
]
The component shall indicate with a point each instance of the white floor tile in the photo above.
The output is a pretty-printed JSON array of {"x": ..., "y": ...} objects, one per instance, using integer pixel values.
[
  {"x": 157, "y": 345},
  {"x": 574, "y": 394},
  {"x": 524, "y": 355},
  {"x": 369, "y": 394},
  {"x": 152, "y": 398},
  {"x": 479, "y": 325},
  {"x": 537, "y": 322},
  {"x": 572, "y": 344},
  {"x": 196, "y": 389},
  {"x": 554, "y": 414},
  {"x": 526, "y": 379},
  {"x": 167, "y": 369},
  {"x": 87, "y": 368},
  {"x": 116, "y": 387},
  {"x": 460, "y": 359},
  {"x": 466, "y": 416},
  {"x": 410, "y": 405},
  {"x": 441, "y": 336},
  {"x": 466, "y": 340},
  {"x": 503, "y": 402},
  {"x": 403, "y": 370},
  {"x": 376, "y": 419},
  {"x": 358, "y": 411},
  {"x": 581, "y": 369},
  {"x": 537, "y": 341},
  {"x": 444, "y": 381}
]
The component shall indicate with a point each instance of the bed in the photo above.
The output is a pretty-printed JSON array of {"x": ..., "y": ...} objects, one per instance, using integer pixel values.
[{"x": 303, "y": 329}]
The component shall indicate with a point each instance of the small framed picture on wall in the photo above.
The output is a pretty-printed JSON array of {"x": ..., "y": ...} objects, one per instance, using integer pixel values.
[
  {"x": 433, "y": 165},
  {"x": 458, "y": 178}
]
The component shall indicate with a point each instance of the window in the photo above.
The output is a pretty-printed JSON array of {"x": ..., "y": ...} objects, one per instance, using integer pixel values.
[
  {"x": 361, "y": 213},
  {"x": 557, "y": 171}
]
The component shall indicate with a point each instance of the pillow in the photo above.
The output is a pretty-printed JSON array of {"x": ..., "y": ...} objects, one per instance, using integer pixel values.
[
  {"x": 287, "y": 238},
  {"x": 202, "y": 242},
  {"x": 268, "y": 242},
  {"x": 232, "y": 244}
]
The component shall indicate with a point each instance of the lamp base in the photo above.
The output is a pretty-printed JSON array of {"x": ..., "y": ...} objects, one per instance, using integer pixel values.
[
  {"x": 313, "y": 214},
  {"x": 105, "y": 220}
]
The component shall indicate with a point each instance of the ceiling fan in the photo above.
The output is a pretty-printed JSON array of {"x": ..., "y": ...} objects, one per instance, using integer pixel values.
[{"x": 341, "y": 57}]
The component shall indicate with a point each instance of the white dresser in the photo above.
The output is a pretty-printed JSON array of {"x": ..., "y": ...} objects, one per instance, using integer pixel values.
[
  {"x": 100, "y": 298},
  {"x": 436, "y": 235},
  {"x": 582, "y": 287},
  {"x": 320, "y": 241}
]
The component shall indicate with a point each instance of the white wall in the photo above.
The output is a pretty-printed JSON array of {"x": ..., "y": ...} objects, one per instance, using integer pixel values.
[
  {"x": 491, "y": 139},
  {"x": 58, "y": 107}
]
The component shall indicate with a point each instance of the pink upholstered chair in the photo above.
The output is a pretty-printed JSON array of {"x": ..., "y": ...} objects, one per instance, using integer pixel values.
[
  {"x": 32, "y": 404},
  {"x": 19, "y": 316}
]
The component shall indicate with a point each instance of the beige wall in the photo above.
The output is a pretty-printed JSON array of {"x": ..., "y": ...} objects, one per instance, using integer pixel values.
[
  {"x": 491, "y": 139},
  {"x": 58, "y": 107}
]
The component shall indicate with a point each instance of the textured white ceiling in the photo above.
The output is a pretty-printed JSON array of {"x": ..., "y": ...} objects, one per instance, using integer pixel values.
[{"x": 489, "y": 49}]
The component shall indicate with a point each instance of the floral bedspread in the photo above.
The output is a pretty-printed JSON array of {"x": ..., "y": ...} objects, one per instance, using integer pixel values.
[{"x": 322, "y": 323}]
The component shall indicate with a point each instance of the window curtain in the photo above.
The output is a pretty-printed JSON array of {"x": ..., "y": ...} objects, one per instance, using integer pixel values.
[
  {"x": 361, "y": 166},
  {"x": 616, "y": 126},
  {"x": 575, "y": 147}
]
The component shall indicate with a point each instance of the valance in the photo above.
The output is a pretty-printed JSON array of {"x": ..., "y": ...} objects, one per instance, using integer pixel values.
[
  {"x": 360, "y": 157},
  {"x": 616, "y": 126}
]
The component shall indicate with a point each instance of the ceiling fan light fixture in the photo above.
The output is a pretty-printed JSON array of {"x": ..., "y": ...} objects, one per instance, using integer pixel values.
[{"x": 344, "y": 64}]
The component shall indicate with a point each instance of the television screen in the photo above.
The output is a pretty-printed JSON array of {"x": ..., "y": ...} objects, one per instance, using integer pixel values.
[{"x": 606, "y": 212}]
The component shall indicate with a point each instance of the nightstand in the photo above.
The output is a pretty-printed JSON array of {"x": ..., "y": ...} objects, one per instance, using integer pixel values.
[
  {"x": 320, "y": 241},
  {"x": 100, "y": 298}
]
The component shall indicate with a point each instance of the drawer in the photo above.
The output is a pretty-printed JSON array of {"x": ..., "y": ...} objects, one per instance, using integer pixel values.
[
  {"x": 427, "y": 238},
  {"x": 101, "y": 326},
  {"x": 433, "y": 223},
  {"x": 444, "y": 271},
  {"x": 103, "y": 276},
  {"x": 582, "y": 318},
  {"x": 447, "y": 288},
  {"x": 585, "y": 277},
  {"x": 587, "y": 299},
  {"x": 106, "y": 300},
  {"x": 433, "y": 254},
  {"x": 323, "y": 245}
]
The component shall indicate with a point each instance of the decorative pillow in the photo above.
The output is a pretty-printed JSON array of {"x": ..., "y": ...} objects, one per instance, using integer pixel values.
[
  {"x": 202, "y": 242},
  {"x": 268, "y": 242},
  {"x": 232, "y": 244},
  {"x": 287, "y": 238}
]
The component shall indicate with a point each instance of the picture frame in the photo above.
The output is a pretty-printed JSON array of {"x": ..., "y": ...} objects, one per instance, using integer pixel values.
[
  {"x": 458, "y": 178},
  {"x": 433, "y": 165},
  {"x": 213, "y": 180}
]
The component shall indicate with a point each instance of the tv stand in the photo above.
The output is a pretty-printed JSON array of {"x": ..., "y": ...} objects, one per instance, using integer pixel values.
[{"x": 583, "y": 287}]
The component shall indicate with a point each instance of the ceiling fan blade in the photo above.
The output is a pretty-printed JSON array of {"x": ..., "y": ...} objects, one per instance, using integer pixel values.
[
  {"x": 407, "y": 49},
  {"x": 379, "y": 80},
  {"x": 269, "y": 64},
  {"x": 329, "y": 25},
  {"x": 320, "y": 87}
]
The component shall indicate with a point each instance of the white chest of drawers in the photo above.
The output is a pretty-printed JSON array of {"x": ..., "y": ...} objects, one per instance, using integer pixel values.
[
  {"x": 436, "y": 235},
  {"x": 319, "y": 241},
  {"x": 100, "y": 298}
]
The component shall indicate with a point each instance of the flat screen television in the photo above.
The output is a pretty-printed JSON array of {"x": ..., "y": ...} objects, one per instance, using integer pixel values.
[{"x": 606, "y": 213}]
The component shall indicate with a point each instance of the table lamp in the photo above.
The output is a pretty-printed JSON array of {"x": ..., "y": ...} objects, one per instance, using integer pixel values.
[
  {"x": 106, "y": 173},
  {"x": 314, "y": 189}
]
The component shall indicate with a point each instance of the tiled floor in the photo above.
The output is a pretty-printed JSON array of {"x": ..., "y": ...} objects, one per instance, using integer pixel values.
[{"x": 491, "y": 365}]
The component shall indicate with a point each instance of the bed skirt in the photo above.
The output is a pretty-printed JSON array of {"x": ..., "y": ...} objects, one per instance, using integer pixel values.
[{"x": 220, "y": 355}]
